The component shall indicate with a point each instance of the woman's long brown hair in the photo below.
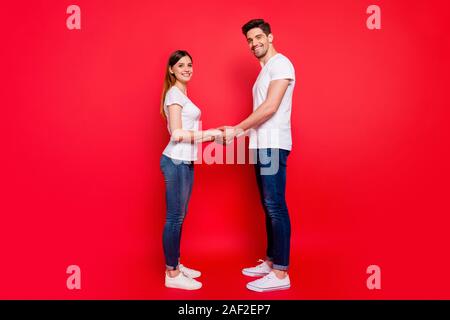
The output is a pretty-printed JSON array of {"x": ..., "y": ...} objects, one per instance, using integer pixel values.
[{"x": 169, "y": 79}]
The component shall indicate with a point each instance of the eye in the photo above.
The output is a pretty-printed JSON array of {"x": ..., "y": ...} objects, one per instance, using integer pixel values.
[{"x": 190, "y": 65}]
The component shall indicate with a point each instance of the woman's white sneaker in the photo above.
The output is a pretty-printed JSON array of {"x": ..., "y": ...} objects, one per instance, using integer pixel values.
[
  {"x": 260, "y": 270},
  {"x": 181, "y": 281},
  {"x": 189, "y": 272},
  {"x": 270, "y": 282}
]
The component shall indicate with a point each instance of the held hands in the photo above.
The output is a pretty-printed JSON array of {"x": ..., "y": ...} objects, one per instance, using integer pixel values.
[
  {"x": 228, "y": 133},
  {"x": 222, "y": 135},
  {"x": 212, "y": 134}
]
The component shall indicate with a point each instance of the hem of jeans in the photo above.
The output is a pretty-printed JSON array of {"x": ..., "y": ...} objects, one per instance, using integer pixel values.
[
  {"x": 280, "y": 267},
  {"x": 171, "y": 268}
]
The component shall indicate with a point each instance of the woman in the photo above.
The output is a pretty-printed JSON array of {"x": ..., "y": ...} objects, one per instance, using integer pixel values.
[{"x": 177, "y": 166}]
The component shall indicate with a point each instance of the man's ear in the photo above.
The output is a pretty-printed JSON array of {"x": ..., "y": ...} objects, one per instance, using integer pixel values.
[{"x": 270, "y": 37}]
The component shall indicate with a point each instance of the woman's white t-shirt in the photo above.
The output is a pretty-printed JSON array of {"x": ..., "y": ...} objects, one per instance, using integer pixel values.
[{"x": 190, "y": 118}]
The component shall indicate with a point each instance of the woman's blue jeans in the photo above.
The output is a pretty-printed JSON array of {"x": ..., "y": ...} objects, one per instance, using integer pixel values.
[{"x": 178, "y": 178}]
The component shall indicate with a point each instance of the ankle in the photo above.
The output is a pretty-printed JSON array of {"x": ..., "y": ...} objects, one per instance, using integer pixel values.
[
  {"x": 281, "y": 274},
  {"x": 173, "y": 273}
]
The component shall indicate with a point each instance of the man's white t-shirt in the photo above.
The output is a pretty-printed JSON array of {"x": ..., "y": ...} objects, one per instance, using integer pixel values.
[
  {"x": 275, "y": 132},
  {"x": 190, "y": 118}
]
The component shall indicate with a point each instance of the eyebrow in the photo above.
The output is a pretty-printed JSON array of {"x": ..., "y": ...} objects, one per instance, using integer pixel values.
[{"x": 259, "y": 34}]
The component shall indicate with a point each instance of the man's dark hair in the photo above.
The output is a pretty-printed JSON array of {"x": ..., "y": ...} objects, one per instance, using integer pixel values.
[{"x": 256, "y": 23}]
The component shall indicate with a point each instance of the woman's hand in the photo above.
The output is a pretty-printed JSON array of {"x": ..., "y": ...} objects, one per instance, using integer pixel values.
[{"x": 177, "y": 135}]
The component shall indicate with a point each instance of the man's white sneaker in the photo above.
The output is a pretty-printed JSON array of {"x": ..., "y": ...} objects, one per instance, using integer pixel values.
[
  {"x": 181, "y": 281},
  {"x": 191, "y": 273},
  {"x": 269, "y": 282},
  {"x": 260, "y": 270}
]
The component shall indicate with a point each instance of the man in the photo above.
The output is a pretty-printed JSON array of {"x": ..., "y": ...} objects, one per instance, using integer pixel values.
[{"x": 270, "y": 142}]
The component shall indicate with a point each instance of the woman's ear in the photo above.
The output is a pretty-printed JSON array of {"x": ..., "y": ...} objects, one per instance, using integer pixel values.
[{"x": 170, "y": 70}]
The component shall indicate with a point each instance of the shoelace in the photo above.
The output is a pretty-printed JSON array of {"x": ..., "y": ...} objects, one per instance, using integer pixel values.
[
  {"x": 266, "y": 278},
  {"x": 185, "y": 271},
  {"x": 260, "y": 266},
  {"x": 190, "y": 279}
]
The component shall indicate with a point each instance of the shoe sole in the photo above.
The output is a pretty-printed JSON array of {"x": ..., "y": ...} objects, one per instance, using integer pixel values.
[
  {"x": 181, "y": 288},
  {"x": 249, "y": 287},
  {"x": 254, "y": 274}
]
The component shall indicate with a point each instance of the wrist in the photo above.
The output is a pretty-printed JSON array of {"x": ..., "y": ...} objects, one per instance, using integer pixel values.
[
  {"x": 239, "y": 129},
  {"x": 208, "y": 135}
]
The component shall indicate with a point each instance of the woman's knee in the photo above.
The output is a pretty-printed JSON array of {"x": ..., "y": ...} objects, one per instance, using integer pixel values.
[{"x": 176, "y": 218}]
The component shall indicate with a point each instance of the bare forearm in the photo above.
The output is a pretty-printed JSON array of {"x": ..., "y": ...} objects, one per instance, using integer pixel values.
[
  {"x": 191, "y": 136},
  {"x": 180, "y": 135},
  {"x": 267, "y": 109},
  {"x": 206, "y": 137},
  {"x": 258, "y": 117}
]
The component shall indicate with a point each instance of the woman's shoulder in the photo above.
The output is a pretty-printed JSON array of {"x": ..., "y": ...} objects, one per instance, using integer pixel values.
[
  {"x": 175, "y": 96},
  {"x": 173, "y": 91}
]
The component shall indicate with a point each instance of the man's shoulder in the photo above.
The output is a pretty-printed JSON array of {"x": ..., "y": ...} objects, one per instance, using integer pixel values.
[
  {"x": 281, "y": 58},
  {"x": 281, "y": 61},
  {"x": 281, "y": 67}
]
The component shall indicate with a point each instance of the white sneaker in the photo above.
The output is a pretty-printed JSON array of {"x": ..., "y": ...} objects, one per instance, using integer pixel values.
[
  {"x": 270, "y": 282},
  {"x": 181, "y": 281},
  {"x": 258, "y": 271},
  {"x": 191, "y": 273}
]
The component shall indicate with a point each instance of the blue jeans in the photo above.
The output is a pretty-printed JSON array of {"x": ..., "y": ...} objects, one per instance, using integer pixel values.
[
  {"x": 178, "y": 178},
  {"x": 270, "y": 169}
]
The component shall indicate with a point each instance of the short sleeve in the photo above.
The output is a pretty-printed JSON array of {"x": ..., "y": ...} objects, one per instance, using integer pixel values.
[
  {"x": 174, "y": 96},
  {"x": 282, "y": 69}
]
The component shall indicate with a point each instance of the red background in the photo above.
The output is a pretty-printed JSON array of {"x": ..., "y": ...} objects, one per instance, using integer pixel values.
[{"x": 81, "y": 140}]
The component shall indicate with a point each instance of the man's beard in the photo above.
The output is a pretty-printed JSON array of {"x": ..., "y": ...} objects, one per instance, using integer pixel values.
[{"x": 262, "y": 55}]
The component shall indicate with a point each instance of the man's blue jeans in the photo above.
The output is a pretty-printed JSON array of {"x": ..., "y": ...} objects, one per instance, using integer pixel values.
[
  {"x": 178, "y": 178},
  {"x": 270, "y": 169}
]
